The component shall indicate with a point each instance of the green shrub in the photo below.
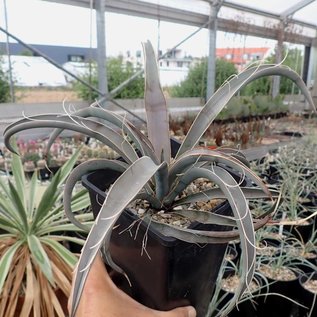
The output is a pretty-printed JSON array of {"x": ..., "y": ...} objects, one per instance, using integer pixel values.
[{"x": 4, "y": 85}]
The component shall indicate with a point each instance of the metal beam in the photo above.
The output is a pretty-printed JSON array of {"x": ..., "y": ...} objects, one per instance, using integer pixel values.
[
  {"x": 211, "y": 62},
  {"x": 150, "y": 10},
  {"x": 293, "y": 9},
  {"x": 101, "y": 52},
  {"x": 176, "y": 15},
  {"x": 50, "y": 60},
  {"x": 267, "y": 14},
  {"x": 278, "y": 57},
  {"x": 139, "y": 8},
  {"x": 258, "y": 31},
  {"x": 12, "y": 95}
]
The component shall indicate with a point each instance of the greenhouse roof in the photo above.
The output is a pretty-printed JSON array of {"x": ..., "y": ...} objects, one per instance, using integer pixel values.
[
  {"x": 250, "y": 17},
  {"x": 301, "y": 10}
]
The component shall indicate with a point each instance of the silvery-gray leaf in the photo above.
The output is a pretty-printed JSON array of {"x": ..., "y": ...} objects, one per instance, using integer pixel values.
[
  {"x": 105, "y": 116},
  {"x": 250, "y": 193},
  {"x": 76, "y": 175},
  {"x": 129, "y": 183},
  {"x": 155, "y": 107},
  {"x": 192, "y": 157},
  {"x": 82, "y": 125}
]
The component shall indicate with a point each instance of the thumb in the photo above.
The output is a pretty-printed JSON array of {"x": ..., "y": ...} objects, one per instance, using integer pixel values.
[{"x": 187, "y": 311}]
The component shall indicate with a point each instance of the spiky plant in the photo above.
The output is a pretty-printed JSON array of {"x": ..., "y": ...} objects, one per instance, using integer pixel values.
[
  {"x": 34, "y": 264},
  {"x": 149, "y": 173}
]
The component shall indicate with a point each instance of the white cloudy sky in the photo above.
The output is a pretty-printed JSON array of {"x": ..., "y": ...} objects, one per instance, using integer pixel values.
[{"x": 41, "y": 22}]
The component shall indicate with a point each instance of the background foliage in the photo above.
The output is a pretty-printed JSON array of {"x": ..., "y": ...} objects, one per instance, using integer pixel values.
[
  {"x": 196, "y": 82},
  {"x": 117, "y": 72},
  {"x": 4, "y": 85},
  {"x": 263, "y": 86}
]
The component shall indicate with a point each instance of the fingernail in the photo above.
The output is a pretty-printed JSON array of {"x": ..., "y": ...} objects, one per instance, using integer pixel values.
[{"x": 191, "y": 312}]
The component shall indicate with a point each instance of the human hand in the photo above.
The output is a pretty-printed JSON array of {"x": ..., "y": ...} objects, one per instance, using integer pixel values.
[{"x": 102, "y": 298}]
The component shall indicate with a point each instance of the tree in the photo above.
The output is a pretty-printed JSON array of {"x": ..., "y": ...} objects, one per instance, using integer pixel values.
[
  {"x": 117, "y": 72},
  {"x": 263, "y": 86},
  {"x": 196, "y": 81},
  {"x": 260, "y": 86},
  {"x": 4, "y": 86},
  {"x": 294, "y": 60}
]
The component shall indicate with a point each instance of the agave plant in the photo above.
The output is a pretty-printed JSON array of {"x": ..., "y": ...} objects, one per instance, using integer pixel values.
[
  {"x": 34, "y": 263},
  {"x": 148, "y": 172}
]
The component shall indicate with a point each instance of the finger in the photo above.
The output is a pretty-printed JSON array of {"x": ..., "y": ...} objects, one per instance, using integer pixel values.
[{"x": 96, "y": 278}]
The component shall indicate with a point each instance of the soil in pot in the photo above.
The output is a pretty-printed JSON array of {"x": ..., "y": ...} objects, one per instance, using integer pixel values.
[
  {"x": 235, "y": 245},
  {"x": 267, "y": 247},
  {"x": 247, "y": 307},
  {"x": 304, "y": 260},
  {"x": 231, "y": 256},
  {"x": 164, "y": 272}
]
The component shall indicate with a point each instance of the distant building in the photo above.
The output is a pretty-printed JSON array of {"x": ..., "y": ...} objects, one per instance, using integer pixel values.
[
  {"x": 32, "y": 70},
  {"x": 60, "y": 54},
  {"x": 243, "y": 56},
  {"x": 174, "y": 67},
  {"x": 176, "y": 59}
]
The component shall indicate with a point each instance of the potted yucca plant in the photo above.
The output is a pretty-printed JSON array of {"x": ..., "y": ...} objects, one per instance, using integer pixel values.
[
  {"x": 35, "y": 264},
  {"x": 151, "y": 182},
  {"x": 280, "y": 269}
]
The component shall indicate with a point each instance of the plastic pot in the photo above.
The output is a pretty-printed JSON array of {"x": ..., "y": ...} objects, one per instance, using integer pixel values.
[
  {"x": 306, "y": 264},
  {"x": 300, "y": 232},
  {"x": 274, "y": 305},
  {"x": 167, "y": 272},
  {"x": 312, "y": 200},
  {"x": 307, "y": 297}
]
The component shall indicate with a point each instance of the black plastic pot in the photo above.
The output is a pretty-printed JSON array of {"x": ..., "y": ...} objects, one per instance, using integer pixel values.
[
  {"x": 271, "y": 175},
  {"x": 312, "y": 200},
  {"x": 307, "y": 298},
  {"x": 278, "y": 306},
  {"x": 169, "y": 272},
  {"x": 306, "y": 264},
  {"x": 301, "y": 232}
]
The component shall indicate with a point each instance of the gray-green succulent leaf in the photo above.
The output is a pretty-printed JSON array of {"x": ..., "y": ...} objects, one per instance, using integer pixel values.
[
  {"x": 155, "y": 107},
  {"x": 139, "y": 173},
  {"x": 121, "y": 123},
  {"x": 191, "y": 157},
  {"x": 250, "y": 193},
  {"x": 85, "y": 126},
  {"x": 76, "y": 175}
]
